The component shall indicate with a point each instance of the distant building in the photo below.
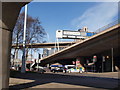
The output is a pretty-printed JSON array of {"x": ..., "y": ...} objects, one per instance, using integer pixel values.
[
  {"x": 45, "y": 52},
  {"x": 49, "y": 51}
]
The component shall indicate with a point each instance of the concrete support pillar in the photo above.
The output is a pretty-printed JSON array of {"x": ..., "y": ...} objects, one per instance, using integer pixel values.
[
  {"x": 112, "y": 56},
  {"x": 9, "y": 12},
  {"x": 5, "y": 43}
]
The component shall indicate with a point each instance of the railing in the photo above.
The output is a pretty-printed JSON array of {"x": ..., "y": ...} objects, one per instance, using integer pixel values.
[{"x": 107, "y": 26}]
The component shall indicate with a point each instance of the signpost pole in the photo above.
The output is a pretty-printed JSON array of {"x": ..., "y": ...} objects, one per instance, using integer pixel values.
[{"x": 58, "y": 44}]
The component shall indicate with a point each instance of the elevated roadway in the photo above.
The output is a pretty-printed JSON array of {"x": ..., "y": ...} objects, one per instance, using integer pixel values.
[
  {"x": 44, "y": 45},
  {"x": 96, "y": 44}
]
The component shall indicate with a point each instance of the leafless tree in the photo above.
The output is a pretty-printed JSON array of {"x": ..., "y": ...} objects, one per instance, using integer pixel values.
[{"x": 34, "y": 32}]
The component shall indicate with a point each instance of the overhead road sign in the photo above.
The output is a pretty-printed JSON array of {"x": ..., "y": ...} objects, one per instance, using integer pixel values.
[{"x": 67, "y": 34}]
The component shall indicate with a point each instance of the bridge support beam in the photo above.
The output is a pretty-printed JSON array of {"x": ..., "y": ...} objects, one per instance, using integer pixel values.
[{"x": 8, "y": 16}]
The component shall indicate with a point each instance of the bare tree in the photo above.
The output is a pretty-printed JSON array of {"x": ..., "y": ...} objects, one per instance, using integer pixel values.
[{"x": 34, "y": 32}]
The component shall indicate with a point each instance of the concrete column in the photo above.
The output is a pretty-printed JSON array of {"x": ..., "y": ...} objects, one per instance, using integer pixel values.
[
  {"x": 5, "y": 43},
  {"x": 9, "y": 12},
  {"x": 112, "y": 53}
]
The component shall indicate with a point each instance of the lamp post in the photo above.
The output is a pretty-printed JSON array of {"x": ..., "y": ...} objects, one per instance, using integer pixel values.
[{"x": 24, "y": 40}]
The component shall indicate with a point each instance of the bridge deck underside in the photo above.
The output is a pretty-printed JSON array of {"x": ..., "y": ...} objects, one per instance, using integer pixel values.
[{"x": 90, "y": 47}]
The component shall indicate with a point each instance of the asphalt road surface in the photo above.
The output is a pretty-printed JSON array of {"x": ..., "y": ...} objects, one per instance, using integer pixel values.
[{"x": 60, "y": 80}]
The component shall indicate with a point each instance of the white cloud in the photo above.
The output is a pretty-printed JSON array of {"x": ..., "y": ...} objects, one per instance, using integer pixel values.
[{"x": 97, "y": 16}]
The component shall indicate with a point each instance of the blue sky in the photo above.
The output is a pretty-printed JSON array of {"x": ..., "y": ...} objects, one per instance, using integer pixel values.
[
  {"x": 72, "y": 15},
  {"x": 57, "y": 15}
]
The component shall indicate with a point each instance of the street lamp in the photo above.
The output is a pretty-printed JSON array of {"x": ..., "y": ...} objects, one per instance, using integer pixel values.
[{"x": 23, "y": 68}]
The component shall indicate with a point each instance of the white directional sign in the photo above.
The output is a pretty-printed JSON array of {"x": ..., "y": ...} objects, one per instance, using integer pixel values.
[
  {"x": 71, "y": 33},
  {"x": 67, "y": 34}
]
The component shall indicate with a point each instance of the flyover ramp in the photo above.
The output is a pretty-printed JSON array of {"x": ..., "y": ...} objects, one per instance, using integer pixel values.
[{"x": 100, "y": 42}]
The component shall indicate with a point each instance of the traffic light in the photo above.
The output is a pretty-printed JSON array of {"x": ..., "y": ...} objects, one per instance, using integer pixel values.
[
  {"x": 73, "y": 62},
  {"x": 39, "y": 56}
]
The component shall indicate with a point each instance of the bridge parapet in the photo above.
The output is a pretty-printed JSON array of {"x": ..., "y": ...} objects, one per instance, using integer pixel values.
[{"x": 107, "y": 26}]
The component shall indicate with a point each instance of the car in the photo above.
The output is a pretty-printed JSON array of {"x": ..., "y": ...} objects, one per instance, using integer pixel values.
[
  {"x": 80, "y": 70},
  {"x": 57, "y": 68},
  {"x": 73, "y": 70}
]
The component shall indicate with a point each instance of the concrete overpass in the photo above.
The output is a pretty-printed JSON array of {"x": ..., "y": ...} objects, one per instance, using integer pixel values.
[
  {"x": 44, "y": 45},
  {"x": 99, "y": 44},
  {"x": 9, "y": 12}
]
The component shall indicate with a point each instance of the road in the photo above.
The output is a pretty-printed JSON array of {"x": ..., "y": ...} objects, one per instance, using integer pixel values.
[{"x": 60, "y": 80}]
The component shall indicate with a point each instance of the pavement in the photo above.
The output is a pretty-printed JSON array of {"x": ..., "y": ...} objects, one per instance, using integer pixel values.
[
  {"x": 114, "y": 75},
  {"x": 89, "y": 80}
]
